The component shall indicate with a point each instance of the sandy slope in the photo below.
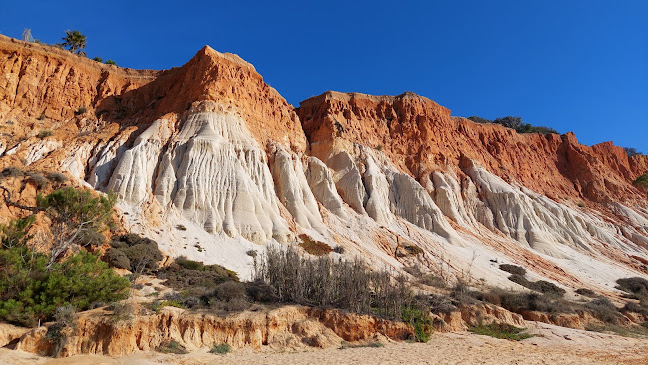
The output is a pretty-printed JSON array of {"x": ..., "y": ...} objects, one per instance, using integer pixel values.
[{"x": 552, "y": 345}]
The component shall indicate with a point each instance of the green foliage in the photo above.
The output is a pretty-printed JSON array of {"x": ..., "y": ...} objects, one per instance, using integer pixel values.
[
  {"x": 221, "y": 349},
  {"x": 77, "y": 217},
  {"x": 38, "y": 180},
  {"x": 98, "y": 59},
  {"x": 501, "y": 330},
  {"x": 74, "y": 41},
  {"x": 30, "y": 291},
  {"x": 111, "y": 62},
  {"x": 15, "y": 233},
  {"x": 420, "y": 321},
  {"x": 541, "y": 286},
  {"x": 586, "y": 292},
  {"x": 45, "y": 133},
  {"x": 515, "y": 123},
  {"x": 641, "y": 181},
  {"x": 636, "y": 286},
  {"x": 513, "y": 269},
  {"x": 82, "y": 110},
  {"x": 134, "y": 253},
  {"x": 172, "y": 347},
  {"x": 56, "y": 177}
]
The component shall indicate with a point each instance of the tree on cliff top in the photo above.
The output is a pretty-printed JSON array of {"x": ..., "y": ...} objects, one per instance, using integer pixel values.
[{"x": 74, "y": 41}]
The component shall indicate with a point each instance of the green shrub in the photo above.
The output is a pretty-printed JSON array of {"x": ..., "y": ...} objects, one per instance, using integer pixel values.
[
  {"x": 45, "y": 133},
  {"x": 29, "y": 291},
  {"x": 56, "y": 177},
  {"x": 172, "y": 347},
  {"x": 195, "y": 277},
  {"x": 513, "y": 269},
  {"x": 604, "y": 310},
  {"x": 420, "y": 321},
  {"x": 82, "y": 110},
  {"x": 111, "y": 62},
  {"x": 221, "y": 349},
  {"x": 586, "y": 292},
  {"x": 541, "y": 286},
  {"x": 98, "y": 59},
  {"x": 260, "y": 291},
  {"x": 116, "y": 258},
  {"x": 501, "y": 330},
  {"x": 515, "y": 123},
  {"x": 641, "y": 181},
  {"x": 636, "y": 286},
  {"x": 11, "y": 171},
  {"x": 38, "y": 180}
]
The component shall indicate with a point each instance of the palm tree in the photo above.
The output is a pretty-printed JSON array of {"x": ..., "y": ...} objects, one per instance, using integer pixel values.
[{"x": 74, "y": 40}]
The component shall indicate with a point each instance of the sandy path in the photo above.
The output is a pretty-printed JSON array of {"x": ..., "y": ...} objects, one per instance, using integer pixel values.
[{"x": 555, "y": 345}]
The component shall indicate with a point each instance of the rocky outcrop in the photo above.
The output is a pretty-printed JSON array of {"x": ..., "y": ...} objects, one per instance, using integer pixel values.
[{"x": 285, "y": 328}]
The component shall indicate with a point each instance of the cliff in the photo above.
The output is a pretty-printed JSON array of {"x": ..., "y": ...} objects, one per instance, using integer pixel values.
[{"x": 210, "y": 161}]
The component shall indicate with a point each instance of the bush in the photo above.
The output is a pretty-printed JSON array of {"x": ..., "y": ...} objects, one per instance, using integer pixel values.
[
  {"x": 260, "y": 291},
  {"x": 41, "y": 117},
  {"x": 323, "y": 281},
  {"x": 513, "y": 269},
  {"x": 38, "y": 180},
  {"x": 221, "y": 349},
  {"x": 111, "y": 62},
  {"x": 420, "y": 321},
  {"x": 586, "y": 292},
  {"x": 641, "y": 308},
  {"x": 636, "y": 286},
  {"x": 641, "y": 181},
  {"x": 195, "y": 277},
  {"x": 29, "y": 291},
  {"x": 604, "y": 310},
  {"x": 56, "y": 177},
  {"x": 632, "y": 151},
  {"x": 117, "y": 258},
  {"x": 45, "y": 133},
  {"x": 98, "y": 59},
  {"x": 11, "y": 172},
  {"x": 82, "y": 110},
  {"x": 172, "y": 347},
  {"x": 541, "y": 286},
  {"x": 501, "y": 330},
  {"x": 515, "y": 123},
  {"x": 134, "y": 253}
]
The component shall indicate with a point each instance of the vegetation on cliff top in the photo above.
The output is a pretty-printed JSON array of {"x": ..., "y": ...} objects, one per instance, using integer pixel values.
[{"x": 515, "y": 123}]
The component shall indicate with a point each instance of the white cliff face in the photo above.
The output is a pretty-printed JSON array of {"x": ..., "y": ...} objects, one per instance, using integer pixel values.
[
  {"x": 321, "y": 183},
  {"x": 294, "y": 192},
  {"x": 203, "y": 187}
]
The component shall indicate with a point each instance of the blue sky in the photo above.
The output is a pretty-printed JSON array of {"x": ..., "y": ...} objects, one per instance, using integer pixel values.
[{"x": 572, "y": 65}]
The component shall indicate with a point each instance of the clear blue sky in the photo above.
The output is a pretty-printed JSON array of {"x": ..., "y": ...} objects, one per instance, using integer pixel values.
[{"x": 572, "y": 65}]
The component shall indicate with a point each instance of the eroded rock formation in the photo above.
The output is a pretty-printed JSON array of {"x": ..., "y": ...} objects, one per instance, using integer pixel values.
[{"x": 210, "y": 161}]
